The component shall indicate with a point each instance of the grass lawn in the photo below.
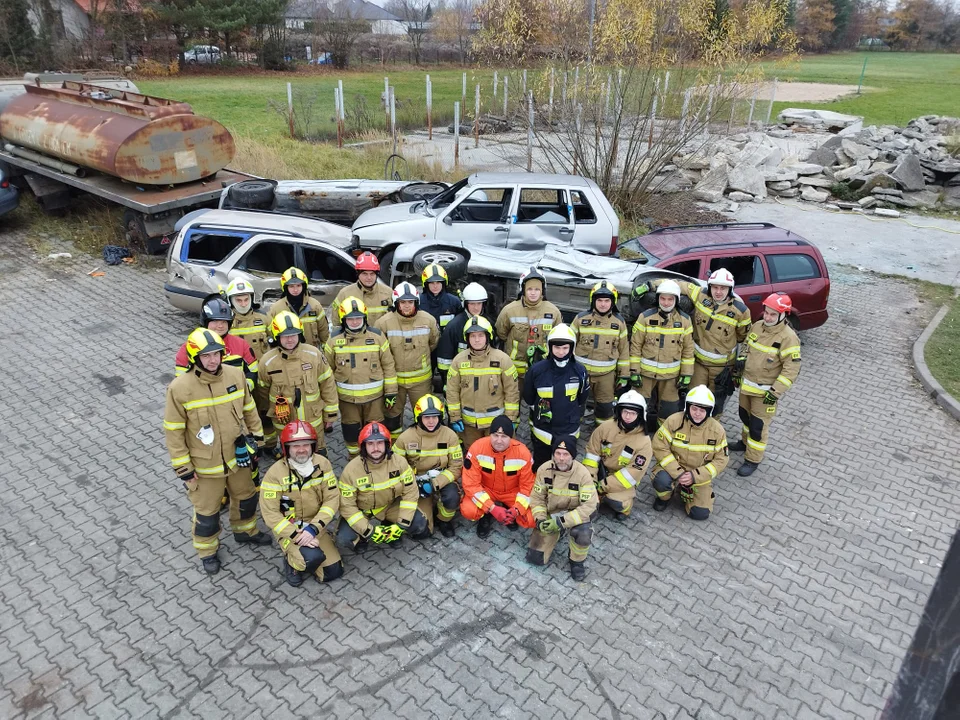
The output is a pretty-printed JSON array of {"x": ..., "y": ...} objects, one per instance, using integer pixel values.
[
  {"x": 942, "y": 352},
  {"x": 901, "y": 86}
]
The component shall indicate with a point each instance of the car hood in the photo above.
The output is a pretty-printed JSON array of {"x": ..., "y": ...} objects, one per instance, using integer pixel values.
[{"x": 387, "y": 214}]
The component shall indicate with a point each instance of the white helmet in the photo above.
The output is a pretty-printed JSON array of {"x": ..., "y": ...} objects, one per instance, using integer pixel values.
[
  {"x": 632, "y": 399},
  {"x": 240, "y": 287},
  {"x": 669, "y": 287},
  {"x": 561, "y": 334},
  {"x": 721, "y": 276},
  {"x": 405, "y": 291},
  {"x": 474, "y": 292},
  {"x": 701, "y": 395}
]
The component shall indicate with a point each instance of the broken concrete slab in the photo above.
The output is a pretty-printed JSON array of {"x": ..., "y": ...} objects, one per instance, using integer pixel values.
[
  {"x": 789, "y": 193},
  {"x": 816, "y": 181},
  {"x": 740, "y": 197},
  {"x": 748, "y": 179},
  {"x": 890, "y": 192},
  {"x": 805, "y": 168},
  {"x": 833, "y": 121},
  {"x": 908, "y": 173},
  {"x": 868, "y": 201},
  {"x": 855, "y": 151},
  {"x": 925, "y": 198},
  {"x": 884, "y": 212},
  {"x": 813, "y": 195},
  {"x": 780, "y": 185},
  {"x": 712, "y": 184},
  {"x": 780, "y": 176},
  {"x": 880, "y": 180}
]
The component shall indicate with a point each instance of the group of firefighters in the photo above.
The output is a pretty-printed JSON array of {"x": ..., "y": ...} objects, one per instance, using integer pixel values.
[{"x": 251, "y": 384}]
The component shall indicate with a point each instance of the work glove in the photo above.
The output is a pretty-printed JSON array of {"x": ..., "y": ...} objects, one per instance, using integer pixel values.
[
  {"x": 457, "y": 426},
  {"x": 636, "y": 380},
  {"x": 600, "y": 484},
  {"x": 770, "y": 398},
  {"x": 739, "y": 365},
  {"x": 501, "y": 514},
  {"x": 424, "y": 482},
  {"x": 548, "y": 526},
  {"x": 281, "y": 411},
  {"x": 328, "y": 427},
  {"x": 640, "y": 290},
  {"x": 380, "y": 535},
  {"x": 390, "y": 400},
  {"x": 623, "y": 383},
  {"x": 241, "y": 452},
  {"x": 684, "y": 382},
  {"x": 543, "y": 411},
  {"x": 394, "y": 532},
  {"x": 514, "y": 513},
  {"x": 189, "y": 479},
  {"x": 686, "y": 492}
]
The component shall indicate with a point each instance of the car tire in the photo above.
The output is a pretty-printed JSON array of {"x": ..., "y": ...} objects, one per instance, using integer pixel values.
[
  {"x": 415, "y": 192},
  {"x": 386, "y": 260},
  {"x": 454, "y": 262},
  {"x": 255, "y": 194},
  {"x": 649, "y": 301},
  {"x": 794, "y": 322}
]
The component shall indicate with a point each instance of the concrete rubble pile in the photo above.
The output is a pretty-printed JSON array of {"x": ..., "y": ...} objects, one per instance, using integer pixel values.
[{"x": 882, "y": 167}]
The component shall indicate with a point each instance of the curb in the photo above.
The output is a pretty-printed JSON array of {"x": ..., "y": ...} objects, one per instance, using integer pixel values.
[{"x": 935, "y": 389}]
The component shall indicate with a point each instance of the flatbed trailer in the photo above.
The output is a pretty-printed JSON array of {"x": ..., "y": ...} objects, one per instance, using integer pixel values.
[{"x": 150, "y": 211}]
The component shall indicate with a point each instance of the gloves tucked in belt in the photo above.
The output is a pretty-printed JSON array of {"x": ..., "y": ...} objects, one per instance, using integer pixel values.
[
  {"x": 770, "y": 398},
  {"x": 623, "y": 383},
  {"x": 683, "y": 382},
  {"x": 636, "y": 380},
  {"x": 739, "y": 365},
  {"x": 640, "y": 290},
  {"x": 457, "y": 426},
  {"x": 390, "y": 400},
  {"x": 686, "y": 492},
  {"x": 548, "y": 526},
  {"x": 241, "y": 452}
]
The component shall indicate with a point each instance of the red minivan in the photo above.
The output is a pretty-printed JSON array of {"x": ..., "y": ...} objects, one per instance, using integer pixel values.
[{"x": 762, "y": 257}]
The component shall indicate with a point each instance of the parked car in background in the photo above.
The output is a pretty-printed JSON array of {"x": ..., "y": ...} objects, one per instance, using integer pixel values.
[
  {"x": 200, "y": 54},
  {"x": 214, "y": 247},
  {"x": 517, "y": 211},
  {"x": 762, "y": 257},
  {"x": 9, "y": 195}
]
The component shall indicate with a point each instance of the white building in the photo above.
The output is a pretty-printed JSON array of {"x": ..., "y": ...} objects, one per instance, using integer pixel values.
[{"x": 302, "y": 12}]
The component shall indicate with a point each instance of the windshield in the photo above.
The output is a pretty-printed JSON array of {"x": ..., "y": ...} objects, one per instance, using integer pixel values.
[{"x": 447, "y": 196}]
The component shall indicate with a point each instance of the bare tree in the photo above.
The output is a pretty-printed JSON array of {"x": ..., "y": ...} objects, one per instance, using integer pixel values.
[
  {"x": 337, "y": 27},
  {"x": 452, "y": 25},
  {"x": 415, "y": 15}
]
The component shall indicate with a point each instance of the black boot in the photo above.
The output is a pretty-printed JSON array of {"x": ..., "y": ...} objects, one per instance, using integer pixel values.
[
  {"x": 261, "y": 538},
  {"x": 211, "y": 565},
  {"x": 660, "y": 505},
  {"x": 577, "y": 571},
  {"x": 293, "y": 576},
  {"x": 747, "y": 469},
  {"x": 738, "y": 446},
  {"x": 446, "y": 528},
  {"x": 484, "y": 526}
]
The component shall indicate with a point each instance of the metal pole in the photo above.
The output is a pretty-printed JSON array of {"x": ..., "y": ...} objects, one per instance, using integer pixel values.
[
  {"x": 753, "y": 102},
  {"x": 862, "y": 73},
  {"x": 336, "y": 110},
  {"x": 684, "y": 110},
  {"x": 606, "y": 102},
  {"x": 563, "y": 92},
  {"x": 577, "y": 124},
  {"x": 593, "y": 9},
  {"x": 773, "y": 97},
  {"x": 393, "y": 117},
  {"x": 463, "y": 93},
  {"x": 653, "y": 113},
  {"x": 550, "y": 103},
  {"x": 706, "y": 122},
  {"x": 576, "y": 83},
  {"x": 341, "y": 119},
  {"x": 530, "y": 131},
  {"x": 386, "y": 102},
  {"x": 733, "y": 107},
  {"x": 506, "y": 91},
  {"x": 476, "y": 119},
  {"x": 524, "y": 82},
  {"x": 456, "y": 135},
  {"x": 290, "y": 108},
  {"x": 496, "y": 77},
  {"x": 429, "y": 109}
]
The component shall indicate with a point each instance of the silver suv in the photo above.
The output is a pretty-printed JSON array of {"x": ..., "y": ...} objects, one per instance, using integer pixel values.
[{"x": 518, "y": 211}]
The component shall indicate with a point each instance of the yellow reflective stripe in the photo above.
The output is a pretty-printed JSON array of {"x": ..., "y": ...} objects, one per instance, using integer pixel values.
[
  {"x": 352, "y": 520},
  {"x": 785, "y": 381},
  {"x": 206, "y": 544},
  {"x": 756, "y": 444},
  {"x": 522, "y": 500},
  {"x": 787, "y": 351},
  {"x": 480, "y": 371},
  {"x": 575, "y": 515},
  {"x": 511, "y": 406},
  {"x": 711, "y": 468},
  {"x": 210, "y": 402},
  {"x": 182, "y": 460},
  {"x": 513, "y": 463},
  {"x": 349, "y": 349},
  {"x": 625, "y": 478},
  {"x": 282, "y": 526},
  {"x": 591, "y": 460},
  {"x": 656, "y": 329},
  {"x": 564, "y": 492},
  {"x": 664, "y": 433},
  {"x": 408, "y": 505},
  {"x": 244, "y": 525},
  {"x": 481, "y": 498},
  {"x": 699, "y": 448},
  {"x": 667, "y": 460},
  {"x": 762, "y": 348},
  {"x": 167, "y": 425},
  {"x": 252, "y": 405},
  {"x": 251, "y": 330},
  {"x": 179, "y": 370}
]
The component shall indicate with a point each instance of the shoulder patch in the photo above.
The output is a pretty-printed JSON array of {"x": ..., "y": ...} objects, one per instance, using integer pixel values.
[
  {"x": 682, "y": 314},
  {"x": 375, "y": 331},
  {"x": 651, "y": 311},
  {"x": 371, "y": 341},
  {"x": 738, "y": 304}
]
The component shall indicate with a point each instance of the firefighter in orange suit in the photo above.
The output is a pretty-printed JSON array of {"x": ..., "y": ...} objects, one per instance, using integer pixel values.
[
  {"x": 497, "y": 480},
  {"x": 299, "y": 497}
]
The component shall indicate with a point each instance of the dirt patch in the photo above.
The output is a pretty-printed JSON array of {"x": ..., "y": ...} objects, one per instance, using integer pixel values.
[
  {"x": 676, "y": 209},
  {"x": 806, "y": 92}
]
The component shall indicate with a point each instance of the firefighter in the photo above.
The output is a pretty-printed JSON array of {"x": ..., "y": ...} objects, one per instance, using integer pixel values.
[
  {"x": 433, "y": 451},
  {"x": 481, "y": 384},
  {"x": 296, "y": 299},
  {"x": 720, "y": 321},
  {"x": 378, "y": 494},
  {"x": 216, "y": 315},
  {"x": 690, "y": 448},
  {"x": 248, "y": 323},
  {"x": 524, "y": 324},
  {"x": 497, "y": 480},
  {"x": 564, "y": 498},
  {"x": 299, "y": 497},
  {"x": 363, "y": 370},
  {"x": 661, "y": 354},
  {"x": 452, "y": 342},
  {"x": 376, "y": 295},
  {"x": 297, "y": 382},
  {"x": 412, "y": 334},
  {"x": 208, "y": 420},
  {"x": 618, "y": 454},
  {"x": 603, "y": 348},
  {"x": 767, "y": 367},
  {"x": 556, "y": 393},
  {"x": 443, "y": 305}
]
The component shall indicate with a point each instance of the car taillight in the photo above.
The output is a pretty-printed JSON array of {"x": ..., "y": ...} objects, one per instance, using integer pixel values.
[
  {"x": 613, "y": 244},
  {"x": 4, "y": 184}
]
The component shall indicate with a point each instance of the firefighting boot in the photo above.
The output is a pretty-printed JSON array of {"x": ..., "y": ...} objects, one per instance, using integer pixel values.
[
  {"x": 738, "y": 446},
  {"x": 447, "y": 529},
  {"x": 261, "y": 538},
  {"x": 484, "y": 526},
  {"x": 747, "y": 469},
  {"x": 293, "y": 576},
  {"x": 660, "y": 505},
  {"x": 211, "y": 565},
  {"x": 577, "y": 571}
]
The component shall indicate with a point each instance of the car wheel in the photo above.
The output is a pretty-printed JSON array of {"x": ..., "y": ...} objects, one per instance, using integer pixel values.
[
  {"x": 453, "y": 262},
  {"x": 794, "y": 322},
  {"x": 386, "y": 260},
  {"x": 422, "y": 191},
  {"x": 257, "y": 194},
  {"x": 134, "y": 230}
]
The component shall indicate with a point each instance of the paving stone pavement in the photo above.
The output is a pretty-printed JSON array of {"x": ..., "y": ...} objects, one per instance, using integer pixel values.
[{"x": 796, "y": 600}]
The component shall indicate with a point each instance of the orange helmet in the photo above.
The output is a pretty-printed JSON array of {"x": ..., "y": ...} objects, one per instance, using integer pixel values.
[
  {"x": 779, "y": 301},
  {"x": 297, "y": 430},
  {"x": 368, "y": 261},
  {"x": 373, "y": 431}
]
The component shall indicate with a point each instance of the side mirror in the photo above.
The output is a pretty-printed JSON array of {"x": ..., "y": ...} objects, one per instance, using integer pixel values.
[{"x": 447, "y": 220}]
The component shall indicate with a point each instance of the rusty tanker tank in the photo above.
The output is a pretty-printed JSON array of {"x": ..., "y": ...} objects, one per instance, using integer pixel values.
[{"x": 142, "y": 139}]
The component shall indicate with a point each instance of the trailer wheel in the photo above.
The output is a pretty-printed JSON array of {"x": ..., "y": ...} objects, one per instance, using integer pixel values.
[{"x": 134, "y": 229}]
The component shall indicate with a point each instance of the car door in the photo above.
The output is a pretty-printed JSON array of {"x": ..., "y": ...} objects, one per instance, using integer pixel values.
[
  {"x": 749, "y": 274},
  {"x": 798, "y": 275},
  {"x": 481, "y": 214},
  {"x": 262, "y": 263},
  {"x": 328, "y": 269},
  {"x": 541, "y": 216}
]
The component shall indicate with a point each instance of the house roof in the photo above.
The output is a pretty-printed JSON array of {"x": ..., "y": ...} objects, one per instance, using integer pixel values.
[{"x": 309, "y": 9}]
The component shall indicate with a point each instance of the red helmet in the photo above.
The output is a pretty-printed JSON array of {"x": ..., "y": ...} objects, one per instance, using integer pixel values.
[
  {"x": 368, "y": 261},
  {"x": 779, "y": 301},
  {"x": 297, "y": 430},
  {"x": 374, "y": 431}
]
